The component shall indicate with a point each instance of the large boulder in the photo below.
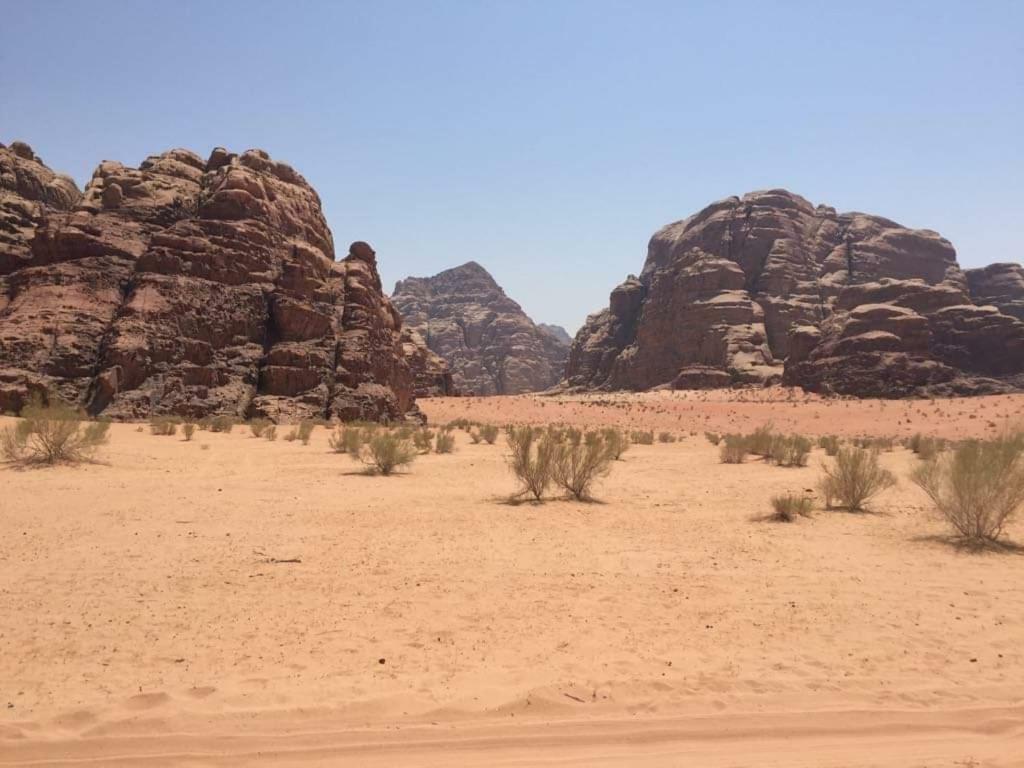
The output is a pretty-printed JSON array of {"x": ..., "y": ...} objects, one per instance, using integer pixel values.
[
  {"x": 192, "y": 287},
  {"x": 767, "y": 286},
  {"x": 489, "y": 343}
]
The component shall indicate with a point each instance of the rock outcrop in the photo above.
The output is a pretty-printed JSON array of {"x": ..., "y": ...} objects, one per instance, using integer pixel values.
[
  {"x": 489, "y": 343},
  {"x": 431, "y": 376},
  {"x": 191, "y": 287},
  {"x": 769, "y": 288},
  {"x": 557, "y": 331}
]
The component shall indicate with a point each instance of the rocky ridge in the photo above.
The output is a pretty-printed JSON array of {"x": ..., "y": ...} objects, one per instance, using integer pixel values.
[
  {"x": 768, "y": 288},
  {"x": 192, "y": 287},
  {"x": 491, "y": 346}
]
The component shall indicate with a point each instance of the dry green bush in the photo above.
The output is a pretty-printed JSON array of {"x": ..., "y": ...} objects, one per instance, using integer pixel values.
[
  {"x": 791, "y": 451},
  {"x": 385, "y": 451},
  {"x": 642, "y": 437},
  {"x": 223, "y": 423},
  {"x": 789, "y": 506},
  {"x": 761, "y": 440},
  {"x": 423, "y": 439},
  {"x": 830, "y": 444},
  {"x": 733, "y": 449},
  {"x": 713, "y": 437},
  {"x": 270, "y": 433},
  {"x": 463, "y": 424},
  {"x": 666, "y": 437},
  {"x": 348, "y": 440},
  {"x": 51, "y": 434},
  {"x": 163, "y": 425},
  {"x": 489, "y": 433},
  {"x": 616, "y": 441},
  {"x": 189, "y": 428},
  {"x": 531, "y": 459},
  {"x": 444, "y": 442},
  {"x": 978, "y": 487},
  {"x": 576, "y": 466},
  {"x": 854, "y": 478},
  {"x": 305, "y": 430},
  {"x": 258, "y": 426}
]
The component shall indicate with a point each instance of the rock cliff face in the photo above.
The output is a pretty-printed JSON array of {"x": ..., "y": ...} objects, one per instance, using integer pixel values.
[
  {"x": 557, "y": 331},
  {"x": 490, "y": 345},
  {"x": 768, "y": 288},
  {"x": 190, "y": 287}
]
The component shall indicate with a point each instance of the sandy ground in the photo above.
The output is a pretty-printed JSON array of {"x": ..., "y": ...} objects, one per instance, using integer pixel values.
[{"x": 145, "y": 619}]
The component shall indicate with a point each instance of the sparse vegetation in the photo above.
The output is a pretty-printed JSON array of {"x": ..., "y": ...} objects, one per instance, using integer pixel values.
[
  {"x": 791, "y": 451},
  {"x": 489, "y": 433},
  {"x": 221, "y": 423},
  {"x": 444, "y": 442},
  {"x": 52, "y": 434},
  {"x": 189, "y": 429},
  {"x": 733, "y": 449},
  {"x": 616, "y": 442},
  {"x": 641, "y": 437},
  {"x": 270, "y": 433},
  {"x": 830, "y": 444},
  {"x": 577, "y": 465},
  {"x": 384, "y": 452},
  {"x": 258, "y": 427},
  {"x": 789, "y": 506},
  {"x": 713, "y": 437},
  {"x": 978, "y": 487},
  {"x": 423, "y": 439},
  {"x": 164, "y": 426},
  {"x": 666, "y": 437},
  {"x": 854, "y": 478},
  {"x": 531, "y": 465}
]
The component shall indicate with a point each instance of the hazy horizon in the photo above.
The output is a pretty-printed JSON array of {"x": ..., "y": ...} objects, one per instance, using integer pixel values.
[{"x": 546, "y": 141}]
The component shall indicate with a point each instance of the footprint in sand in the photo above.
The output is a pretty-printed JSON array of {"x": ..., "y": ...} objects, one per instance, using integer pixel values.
[{"x": 147, "y": 700}]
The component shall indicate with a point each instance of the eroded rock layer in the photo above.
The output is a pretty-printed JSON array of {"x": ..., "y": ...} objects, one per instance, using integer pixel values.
[
  {"x": 191, "y": 287},
  {"x": 768, "y": 288},
  {"x": 491, "y": 346}
]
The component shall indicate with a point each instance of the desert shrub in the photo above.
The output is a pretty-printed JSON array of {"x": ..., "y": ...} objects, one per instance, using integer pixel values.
[
  {"x": 830, "y": 444},
  {"x": 52, "y": 433},
  {"x": 789, "y": 506},
  {"x": 791, "y": 451},
  {"x": 733, "y": 449},
  {"x": 384, "y": 452},
  {"x": 475, "y": 436},
  {"x": 348, "y": 440},
  {"x": 189, "y": 428},
  {"x": 977, "y": 487},
  {"x": 258, "y": 426},
  {"x": 270, "y": 432},
  {"x": 222, "y": 423},
  {"x": 423, "y": 439},
  {"x": 444, "y": 442},
  {"x": 163, "y": 425},
  {"x": 642, "y": 437},
  {"x": 489, "y": 433},
  {"x": 572, "y": 435},
  {"x": 336, "y": 440},
  {"x": 531, "y": 459},
  {"x": 616, "y": 442},
  {"x": 926, "y": 448},
  {"x": 666, "y": 437},
  {"x": 854, "y": 478},
  {"x": 760, "y": 441},
  {"x": 463, "y": 424},
  {"x": 576, "y": 466},
  {"x": 305, "y": 430},
  {"x": 713, "y": 437}
]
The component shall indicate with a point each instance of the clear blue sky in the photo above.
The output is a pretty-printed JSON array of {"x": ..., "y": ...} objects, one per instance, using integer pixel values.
[{"x": 546, "y": 140}]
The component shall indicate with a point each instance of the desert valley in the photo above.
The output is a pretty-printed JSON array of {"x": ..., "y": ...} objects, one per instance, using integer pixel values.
[{"x": 763, "y": 508}]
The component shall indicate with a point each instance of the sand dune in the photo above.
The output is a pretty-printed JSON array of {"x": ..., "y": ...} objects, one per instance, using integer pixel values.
[{"x": 150, "y": 614}]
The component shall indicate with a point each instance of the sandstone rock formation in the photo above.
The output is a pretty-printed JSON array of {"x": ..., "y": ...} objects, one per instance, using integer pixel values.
[
  {"x": 768, "y": 288},
  {"x": 431, "y": 376},
  {"x": 490, "y": 344},
  {"x": 190, "y": 287},
  {"x": 557, "y": 331}
]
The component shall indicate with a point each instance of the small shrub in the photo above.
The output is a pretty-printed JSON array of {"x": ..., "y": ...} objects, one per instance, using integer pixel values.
[
  {"x": 978, "y": 487},
  {"x": 531, "y": 466},
  {"x": 616, "y": 442},
  {"x": 666, "y": 437},
  {"x": 788, "y": 507},
  {"x": 163, "y": 425},
  {"x": 789, "y": 451},
  {"x": 761, "y": 440},
  {"x": 423, "y": 439},
  {"x": 830, "y": 444},
  {"x": 258, "y": 427},
  {"x": 489, "y": 433},
  {"x": 855, "y": 478},
  {"x": 733, "y": 449},
  {"x": 270, "y": 432},
  {"x": 189, "y": 428},
  {"x": 222, "y": 423},
  {"x": 51, "y": 434},
  {"x": 475, "y": 436},
  {"x": 385, "y": 452},
  {"x": 305, "y": 430},
  {"x": 576, "y": 466},
  {"x": 713, "y": 437},
  {"x": 445, "y": 442},
  {"x": 641, "y": 437}
]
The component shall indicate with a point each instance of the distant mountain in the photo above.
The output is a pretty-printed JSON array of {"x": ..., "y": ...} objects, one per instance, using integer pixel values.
[
  {"x": 492, "y": 347},
  {"x": 557, "y": 331}
]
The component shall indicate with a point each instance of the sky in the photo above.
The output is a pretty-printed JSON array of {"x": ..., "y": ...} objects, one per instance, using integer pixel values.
[{"x": 546, "y": 140}]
